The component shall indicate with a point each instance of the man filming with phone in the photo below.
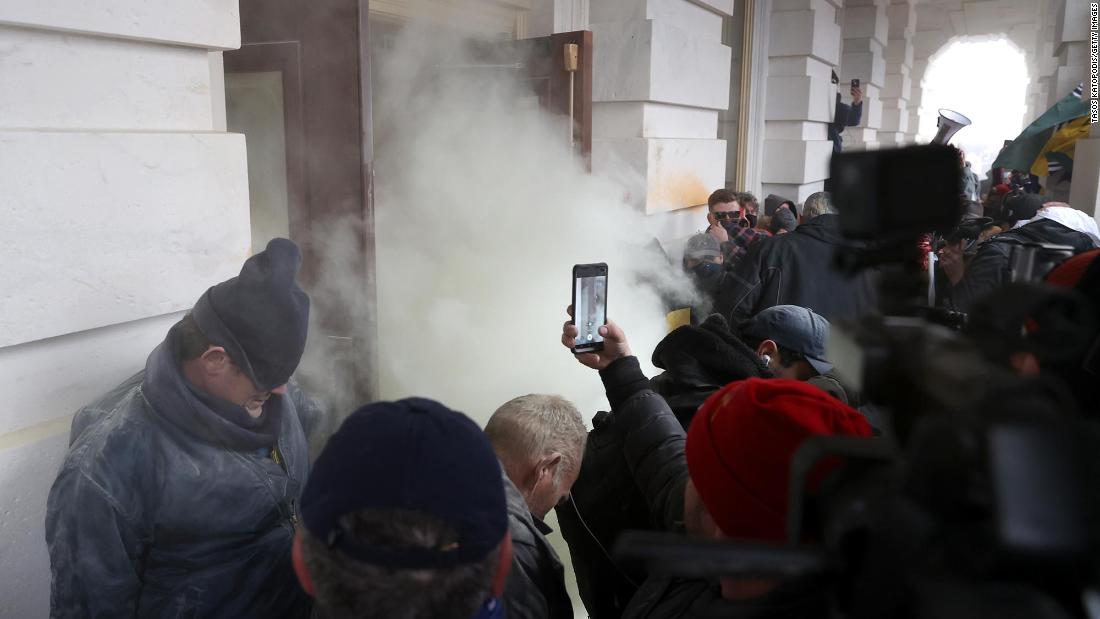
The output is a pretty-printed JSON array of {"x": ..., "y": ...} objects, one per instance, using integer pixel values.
[{"x": 726, "y": 477}]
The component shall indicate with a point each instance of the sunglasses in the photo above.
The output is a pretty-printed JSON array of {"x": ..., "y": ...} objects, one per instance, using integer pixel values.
[{"x": 724, "y": 215}]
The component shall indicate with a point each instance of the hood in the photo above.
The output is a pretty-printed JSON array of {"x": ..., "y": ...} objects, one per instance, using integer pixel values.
[
  {"x": 707, "y": 355},
  {"x": 773, "y": 202},
  {"x": 1044, "y": 230},
  {"x": 825, "y": 228},
  {"x": 1069, "y": 217},
  {"x": 182, "y": 405}
]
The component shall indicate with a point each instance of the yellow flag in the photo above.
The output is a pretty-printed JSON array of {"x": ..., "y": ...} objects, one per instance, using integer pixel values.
[{"x": 1062, "y": 141}]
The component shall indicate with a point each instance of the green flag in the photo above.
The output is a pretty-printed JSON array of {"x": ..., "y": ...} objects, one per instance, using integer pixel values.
[{"x": 1022, "y": 152}]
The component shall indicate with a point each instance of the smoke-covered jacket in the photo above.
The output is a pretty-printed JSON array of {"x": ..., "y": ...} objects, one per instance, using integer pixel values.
[
  {"x": 699, "y": 361},
  {"x": 164, "y": 507},
  {"x": 797, "y": 269},
  {"x": 536, "y": 584},
  {"x": 991, "y": 266}
]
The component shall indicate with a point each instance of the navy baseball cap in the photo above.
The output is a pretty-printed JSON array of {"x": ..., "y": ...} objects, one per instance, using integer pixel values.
[
  {"x": 414, "y": 455},
  {"x": 795, "y": 328}
]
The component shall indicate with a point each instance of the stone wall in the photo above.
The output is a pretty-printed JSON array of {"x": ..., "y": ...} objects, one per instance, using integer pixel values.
[
  {"x": 123, "y": 200},
  {"x": 661, "y": 77}
]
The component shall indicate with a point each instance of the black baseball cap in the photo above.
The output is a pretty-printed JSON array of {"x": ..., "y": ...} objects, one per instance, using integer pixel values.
[
  {"x": 795, "y": 328},
  {"x": 415, "y": 455}
]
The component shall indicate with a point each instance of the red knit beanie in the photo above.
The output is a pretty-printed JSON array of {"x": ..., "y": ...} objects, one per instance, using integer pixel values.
[{"x": 740, "y": 444}]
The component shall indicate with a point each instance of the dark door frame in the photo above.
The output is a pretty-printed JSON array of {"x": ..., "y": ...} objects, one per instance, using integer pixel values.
[{"x": 322, "y": 49}]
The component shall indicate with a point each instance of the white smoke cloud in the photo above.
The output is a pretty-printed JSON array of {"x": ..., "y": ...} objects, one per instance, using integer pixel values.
[{"x": 482, "y": 208}]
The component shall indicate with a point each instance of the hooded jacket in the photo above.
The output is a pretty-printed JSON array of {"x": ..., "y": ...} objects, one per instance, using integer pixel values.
[
  {"x": 536, "y": 584},
  {"x": 797, "y": 269},
  {"x": 165, "y": 507},
  {"x": 699, "y": 361},
  {"x": 605, "y": 500},
  {"x": 652, "y": 446},
  {"x": 991, "y": 266}
]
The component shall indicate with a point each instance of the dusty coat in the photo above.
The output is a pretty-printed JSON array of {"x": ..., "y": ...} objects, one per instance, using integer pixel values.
[{"x": 163, "y": 508}]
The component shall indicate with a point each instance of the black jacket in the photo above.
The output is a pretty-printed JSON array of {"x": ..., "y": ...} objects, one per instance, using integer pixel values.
[
  {"x": 536, "y": 582},
  {"x": 669, "y": 598},
  {"x": 607, "y": 499},
  {"x": 844, "y": 115},
  {"x": 165, "y": 508},
  {"x": 797, "y": 269},
  {"x": 991, "y": 266},
  {"x": 652, "y": 442},
  {"x": 699, "y": 361}
]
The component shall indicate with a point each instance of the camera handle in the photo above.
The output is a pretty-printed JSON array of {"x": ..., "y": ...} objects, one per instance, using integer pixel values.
[{"x": 809, "y": 456}]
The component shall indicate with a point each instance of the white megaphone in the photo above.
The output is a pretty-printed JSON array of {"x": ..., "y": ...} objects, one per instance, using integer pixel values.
[{"x": 948, "y": 125}]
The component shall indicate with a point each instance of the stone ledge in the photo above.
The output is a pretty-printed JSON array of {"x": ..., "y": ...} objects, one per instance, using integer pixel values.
[
  {"x": 210, "y": 24},
  {"x": 67, "y": 81},
  {"x": 105, "y": 228}
]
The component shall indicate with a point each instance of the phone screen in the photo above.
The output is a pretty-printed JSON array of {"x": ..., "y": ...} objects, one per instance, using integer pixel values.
[{"x": 589, "y": 305}]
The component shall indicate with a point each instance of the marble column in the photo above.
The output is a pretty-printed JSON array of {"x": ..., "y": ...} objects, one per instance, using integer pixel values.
[
  {"x": 865, "y": 32},
  {"x": 1071, "y": 47},
  {"x": 804, "y": 47},
  {"x": 899, "y": 63},
  {"x": 661, "y": 76}
]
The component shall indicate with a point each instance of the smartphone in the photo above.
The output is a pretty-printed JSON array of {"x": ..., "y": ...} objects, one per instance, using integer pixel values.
[
  {"x": 855, "y": 83},
  {"x": 589, "y": 305}
]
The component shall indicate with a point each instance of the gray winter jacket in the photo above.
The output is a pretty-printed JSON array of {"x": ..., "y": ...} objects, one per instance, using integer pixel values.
[{"x": 165, "y": 508}]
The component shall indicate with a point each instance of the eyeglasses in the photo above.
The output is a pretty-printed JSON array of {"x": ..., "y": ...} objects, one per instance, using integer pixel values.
[{"x": 724, "y": 215}]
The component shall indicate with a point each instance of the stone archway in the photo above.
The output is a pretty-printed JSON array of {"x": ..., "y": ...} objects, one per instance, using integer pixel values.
[{"x": 952, "y": 78}]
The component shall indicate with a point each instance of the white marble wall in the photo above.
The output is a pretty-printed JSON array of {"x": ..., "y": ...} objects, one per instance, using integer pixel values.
[
  {"x": 123, "y": 199},
  {"x": 804, "y": 44},
  {"x": 1071, "y": 48},
  {"x": 866, "y": 30},
  {"x": 899, "y": 62},
  {"x": 661, "y": 75}
]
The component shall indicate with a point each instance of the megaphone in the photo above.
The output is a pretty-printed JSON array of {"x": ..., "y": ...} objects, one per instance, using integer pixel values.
[{"x": 948, "y": 124}]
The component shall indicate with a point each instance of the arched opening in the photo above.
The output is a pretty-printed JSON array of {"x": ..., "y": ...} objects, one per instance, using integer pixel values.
[{"x": 957, "y": 79}]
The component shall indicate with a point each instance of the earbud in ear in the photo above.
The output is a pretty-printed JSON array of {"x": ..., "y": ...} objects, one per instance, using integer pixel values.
[{"x": 766, "y": 359}]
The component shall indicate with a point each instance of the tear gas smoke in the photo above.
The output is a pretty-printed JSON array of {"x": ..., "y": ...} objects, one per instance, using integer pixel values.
[{"x": 482, "y": 208}]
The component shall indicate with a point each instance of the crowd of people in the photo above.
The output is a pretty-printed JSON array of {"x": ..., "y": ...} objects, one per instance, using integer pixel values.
[{"x": 188, "y": 490}]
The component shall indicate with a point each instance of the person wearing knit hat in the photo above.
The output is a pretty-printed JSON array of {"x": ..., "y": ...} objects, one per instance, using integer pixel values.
[
  {"x": 782, "y": 222},
  {"x": 181, "y": 486},
  {"x": 404, "y": 515},
  {"x": 728, "y": 478}
]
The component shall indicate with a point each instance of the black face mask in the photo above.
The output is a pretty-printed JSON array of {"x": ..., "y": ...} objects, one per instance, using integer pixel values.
[
  {"x": 707, "y": 275},
  {"x": 733, "y": 228},
  {"x": 752, "y": 220}
]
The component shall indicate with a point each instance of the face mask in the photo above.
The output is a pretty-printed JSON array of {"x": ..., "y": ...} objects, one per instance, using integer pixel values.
[
  {"x": 732, "y": 227},
  {"x": 707, "y": 275},
  {"x": 752, "y": 220}
]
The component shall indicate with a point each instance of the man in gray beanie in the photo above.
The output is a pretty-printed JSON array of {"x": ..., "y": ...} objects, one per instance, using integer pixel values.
[{"x": 179, "y": 493}]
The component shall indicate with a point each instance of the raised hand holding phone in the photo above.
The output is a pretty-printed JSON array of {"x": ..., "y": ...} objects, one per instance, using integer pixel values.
[{"x": 615, "y": 345}]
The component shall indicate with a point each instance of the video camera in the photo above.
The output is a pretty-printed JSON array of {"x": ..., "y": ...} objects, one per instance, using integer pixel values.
[{"x": 980, "y": 499}]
